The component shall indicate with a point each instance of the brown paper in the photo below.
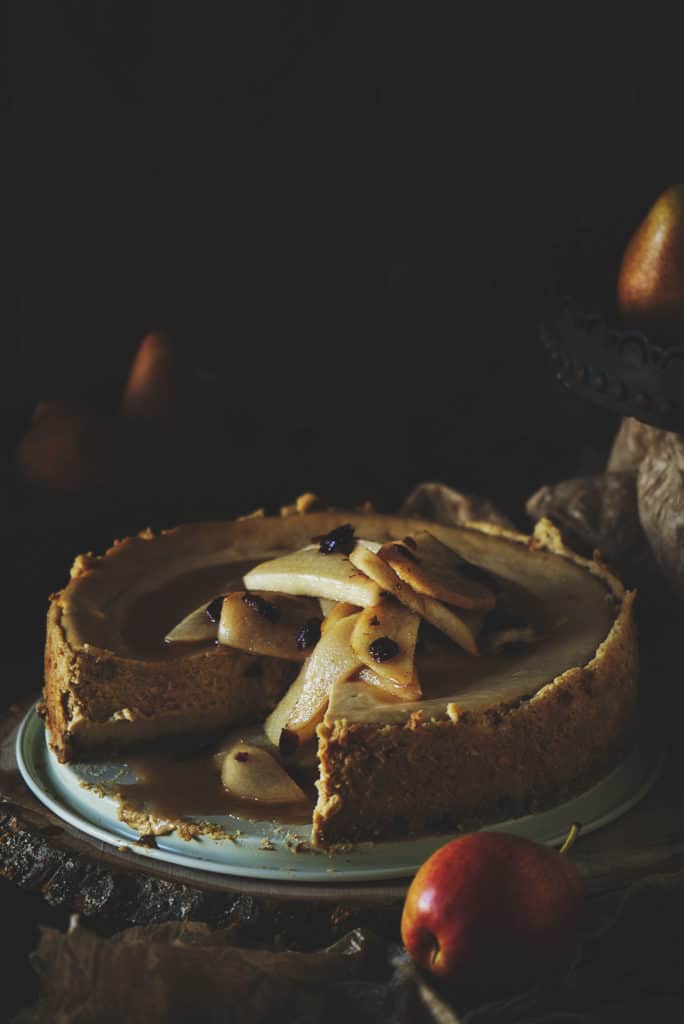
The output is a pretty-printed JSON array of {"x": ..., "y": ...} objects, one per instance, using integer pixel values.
[
  {"x": 185, "y": 971},
  {"x": 628, "y": 968}
]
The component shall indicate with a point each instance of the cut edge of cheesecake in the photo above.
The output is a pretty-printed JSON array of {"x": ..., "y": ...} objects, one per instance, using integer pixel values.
[{"x": 491, "y": 764}]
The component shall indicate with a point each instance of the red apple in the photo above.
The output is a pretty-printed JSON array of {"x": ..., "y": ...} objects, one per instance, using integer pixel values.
[{"x": 493, "y": 909}]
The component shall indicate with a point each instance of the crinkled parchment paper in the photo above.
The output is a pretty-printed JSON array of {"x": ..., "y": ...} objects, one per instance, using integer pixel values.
[{"x": 633, "y": 512}]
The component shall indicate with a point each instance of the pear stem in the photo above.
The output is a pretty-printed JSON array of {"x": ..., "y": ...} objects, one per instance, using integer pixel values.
[{"x": 571, "y": 837}]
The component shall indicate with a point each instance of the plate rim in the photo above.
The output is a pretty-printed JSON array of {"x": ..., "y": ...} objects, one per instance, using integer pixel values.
[{"x": 644, "y": 763}]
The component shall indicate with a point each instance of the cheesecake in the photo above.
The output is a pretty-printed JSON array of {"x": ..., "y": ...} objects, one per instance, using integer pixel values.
[{"x": 486, "y": 674}]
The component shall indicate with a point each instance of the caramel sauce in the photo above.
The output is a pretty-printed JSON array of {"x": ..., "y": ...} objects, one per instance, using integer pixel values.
[{"x": 177, "y": 785}]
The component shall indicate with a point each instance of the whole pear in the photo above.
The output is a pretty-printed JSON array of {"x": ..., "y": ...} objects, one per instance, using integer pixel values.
[
  {"x": 493, "y": 909},
  {"x": 650, "y": 288}
]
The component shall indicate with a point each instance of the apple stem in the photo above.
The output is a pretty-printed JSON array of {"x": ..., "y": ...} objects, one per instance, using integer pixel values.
[
  {"x": 571, "y": 837},
  {"x": 434, "y": 950}
]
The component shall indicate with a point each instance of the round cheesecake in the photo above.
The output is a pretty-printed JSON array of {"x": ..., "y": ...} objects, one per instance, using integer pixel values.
[{"x": 495, "y": 736}]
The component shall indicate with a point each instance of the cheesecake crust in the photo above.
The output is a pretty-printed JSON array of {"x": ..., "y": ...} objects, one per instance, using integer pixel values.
[{"x": 378, "y": 779}]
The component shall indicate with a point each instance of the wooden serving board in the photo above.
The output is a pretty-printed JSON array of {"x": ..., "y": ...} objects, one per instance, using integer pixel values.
[{"x": 40, "y": 852}]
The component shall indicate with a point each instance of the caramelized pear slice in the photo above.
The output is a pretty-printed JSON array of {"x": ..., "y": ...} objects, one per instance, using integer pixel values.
[
  {"x": 338, "y": 610},
  {"x": 384, "y": 639},
  {"x": 309, "y": 571},
  {"x": 199, "y": 626},
  {"x": 431, "y": 568},
  {"x": 267, "y": 623},
  {"x": 410, "y": 693},
  {"x": 456, "y": 627},
  {"x": 253, "y": 773},
  {"x": 293, "y": 721}
]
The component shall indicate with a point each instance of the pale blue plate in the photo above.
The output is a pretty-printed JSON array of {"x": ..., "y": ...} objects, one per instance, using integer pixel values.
[{"x": 60, "y": 788}]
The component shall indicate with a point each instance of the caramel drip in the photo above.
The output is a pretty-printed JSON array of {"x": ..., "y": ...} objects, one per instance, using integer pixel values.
[{"x": 177, "y": 786}]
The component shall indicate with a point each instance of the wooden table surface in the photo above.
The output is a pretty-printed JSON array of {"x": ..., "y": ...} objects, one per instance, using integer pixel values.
[{"x": 42, "y": 853}]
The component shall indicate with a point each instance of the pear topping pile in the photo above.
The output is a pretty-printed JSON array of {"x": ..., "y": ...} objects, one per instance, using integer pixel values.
[{"x": 348, "y": 608}]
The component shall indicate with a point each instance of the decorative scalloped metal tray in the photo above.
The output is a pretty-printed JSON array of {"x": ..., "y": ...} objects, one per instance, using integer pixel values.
[{"x": 619, "y": 369}]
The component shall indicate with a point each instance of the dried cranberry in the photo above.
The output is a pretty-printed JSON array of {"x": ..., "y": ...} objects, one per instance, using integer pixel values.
[
  {"x": 309, "y": 634},
  {"x": 341, "y": 540},
  {"x": 261, "y": 606},
  {"x": 242, "y": 755},
  {"x": 213, "y": 610},
  {"x": 383, "y": 649}
]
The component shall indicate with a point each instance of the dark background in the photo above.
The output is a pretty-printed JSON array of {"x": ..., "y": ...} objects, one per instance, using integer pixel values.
[{"x": 341, "y": 213}]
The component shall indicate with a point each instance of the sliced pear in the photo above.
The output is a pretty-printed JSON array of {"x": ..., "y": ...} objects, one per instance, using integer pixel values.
[
  {"x": 431, "y": 568},
  {"x": 384, "y": 639},
  {"x": 253, "y": 773},
  {"x": 326, "y": 605},
  {"x": 409, "y": 693},
  {"x": 261, "y": 622},
  {"x": 293, "y": 721},
  {"x": 439, "y": 615},
  {"x": 197, "y": 627},
  {"x": 309, "y": 571},
  {"x": 338, "y": 610}
]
